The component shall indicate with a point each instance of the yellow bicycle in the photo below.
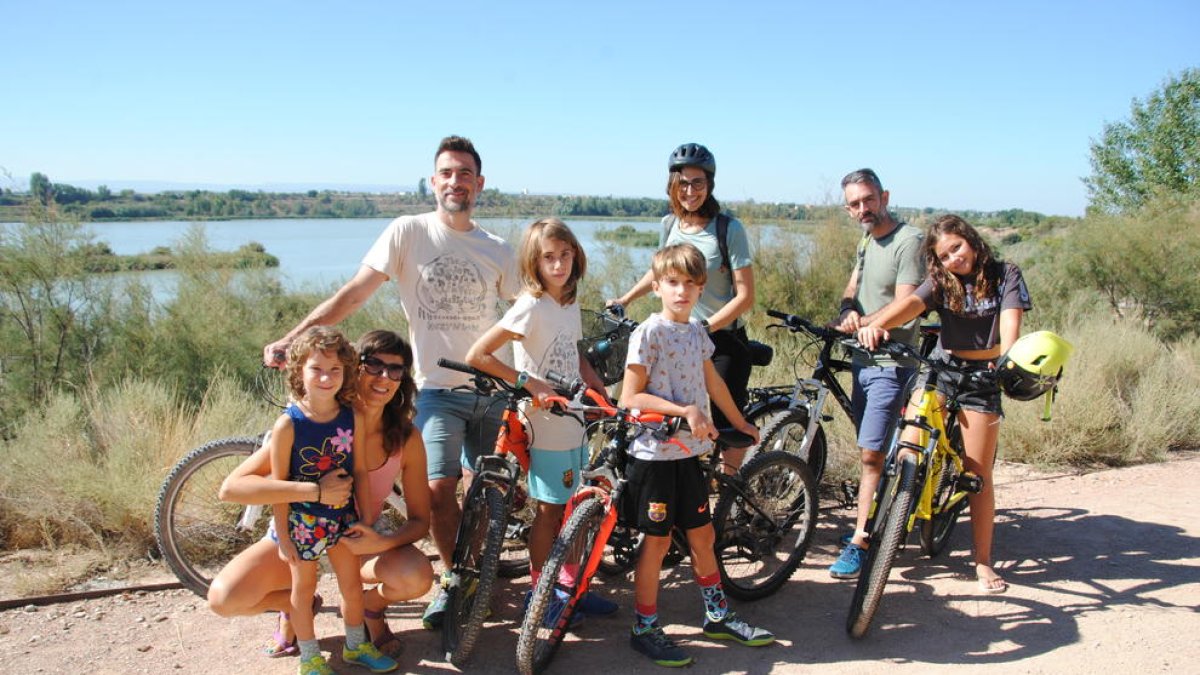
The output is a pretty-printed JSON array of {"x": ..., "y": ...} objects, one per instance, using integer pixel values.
[{"x": 922, "y": 481}]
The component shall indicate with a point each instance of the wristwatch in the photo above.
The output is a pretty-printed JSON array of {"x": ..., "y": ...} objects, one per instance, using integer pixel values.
[
  {"x": 707, "y": 327},
  {"x": 522, "y": 378}
]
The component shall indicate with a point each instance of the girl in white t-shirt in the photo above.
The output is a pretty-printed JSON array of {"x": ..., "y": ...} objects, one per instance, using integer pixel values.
[{"x": 544, "y": 325}]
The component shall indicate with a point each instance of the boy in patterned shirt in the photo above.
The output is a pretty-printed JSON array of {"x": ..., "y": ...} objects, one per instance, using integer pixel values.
[{"x": 669, "y": 370}]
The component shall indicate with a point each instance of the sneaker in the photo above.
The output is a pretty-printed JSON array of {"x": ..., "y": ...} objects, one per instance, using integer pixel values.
[
  {"x": 731, "y": 627},
  {"x": 315, "y": 666},
  {"x": 846, "y": 538},
  {"x": 661, "y": 649},
  {"x": 592, "y": 604},
  {"x": 849, "y": 563},
  {"x": 432, "y": 618},
  {"x": 369, "y": 657}
]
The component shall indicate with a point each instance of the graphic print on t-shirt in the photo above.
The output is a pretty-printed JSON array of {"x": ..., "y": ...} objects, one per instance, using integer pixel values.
[
  {"x": 451, "y": 292},
  {"x": 562, "y": 356}
]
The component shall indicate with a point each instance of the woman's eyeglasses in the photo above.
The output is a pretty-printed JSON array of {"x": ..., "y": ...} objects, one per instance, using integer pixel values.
[
  {"x": 696, "y": 185},
  {"x": 376, "y": 367}
]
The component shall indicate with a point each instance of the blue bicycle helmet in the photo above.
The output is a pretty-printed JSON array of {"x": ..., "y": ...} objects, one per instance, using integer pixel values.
[{"x": 692, "y": 154}]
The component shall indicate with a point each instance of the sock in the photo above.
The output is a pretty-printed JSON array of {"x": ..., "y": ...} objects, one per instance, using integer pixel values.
[
  {"x": 715, "y": 605},
  {"x": 645, "y": 616},
  {"x": 355, "y": 636},
  {"x": 308, "y": 649}
]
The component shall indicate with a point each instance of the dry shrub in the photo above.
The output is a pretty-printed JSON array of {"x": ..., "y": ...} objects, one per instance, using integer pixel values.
[
  {"x": 1126, "y": 397},
  {"x": 86, "y": 471}
]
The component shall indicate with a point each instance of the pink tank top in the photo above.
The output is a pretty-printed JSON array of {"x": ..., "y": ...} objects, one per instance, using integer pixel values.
[{"x": 384, "y": 477}]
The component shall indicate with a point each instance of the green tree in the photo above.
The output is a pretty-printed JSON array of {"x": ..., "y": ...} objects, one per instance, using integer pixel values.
[
  {"x": 422, "y": 191},
  {"x": 41, "y": 188},
  {"x": 1157, "y": 150}
]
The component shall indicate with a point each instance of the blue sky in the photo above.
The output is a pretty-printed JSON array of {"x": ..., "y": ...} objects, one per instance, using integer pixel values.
[{"x": 956, "y": 105}]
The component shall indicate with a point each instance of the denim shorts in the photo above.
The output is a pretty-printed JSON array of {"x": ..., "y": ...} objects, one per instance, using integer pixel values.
[
  {"x": 555, "y": 474},
  {"x": 457, "y": 427},
  {"x": 979, "y": 396},
  {"x": 877, "y": 398}
]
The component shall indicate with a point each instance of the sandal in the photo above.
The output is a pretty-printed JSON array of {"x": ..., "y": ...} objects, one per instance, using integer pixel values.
[
  {"x": 386, "y": 635},
  {"x": 283, "y": 646}
]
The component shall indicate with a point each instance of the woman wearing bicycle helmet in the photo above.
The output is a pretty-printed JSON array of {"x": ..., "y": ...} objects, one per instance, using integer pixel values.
[
  {"x": 696, "y": 219},
  {"x": 981, "y": 302},
  {"x": 258, "y": 580}
]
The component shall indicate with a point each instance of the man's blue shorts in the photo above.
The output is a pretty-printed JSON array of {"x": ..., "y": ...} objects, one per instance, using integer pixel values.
[
  {"x": 877, "y": 398},
  {"x": 457, "y": 427}
]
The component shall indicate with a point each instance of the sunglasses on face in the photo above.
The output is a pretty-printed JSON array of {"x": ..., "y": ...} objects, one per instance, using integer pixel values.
[{"x": 376, "y": 367}]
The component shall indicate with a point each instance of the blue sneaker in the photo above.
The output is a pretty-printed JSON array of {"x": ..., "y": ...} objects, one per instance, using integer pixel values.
[
  {"x": 370, "y": 658},
  {"x": 592, "y": 604},
  {"x": 849, "y": 563}
]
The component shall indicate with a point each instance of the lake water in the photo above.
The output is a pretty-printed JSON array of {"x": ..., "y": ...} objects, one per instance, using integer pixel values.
[{"x": 323, "y": 253}]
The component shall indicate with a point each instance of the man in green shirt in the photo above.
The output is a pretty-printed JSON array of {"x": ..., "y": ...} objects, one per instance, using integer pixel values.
[{"x": 889, "y": 266}]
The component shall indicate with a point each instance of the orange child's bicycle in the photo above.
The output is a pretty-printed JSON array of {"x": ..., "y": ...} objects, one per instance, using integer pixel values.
[{"x": 764, "y": 519}]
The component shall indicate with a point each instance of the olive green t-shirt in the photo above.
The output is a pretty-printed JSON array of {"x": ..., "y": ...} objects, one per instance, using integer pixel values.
[{"x": 893, "y": 259}]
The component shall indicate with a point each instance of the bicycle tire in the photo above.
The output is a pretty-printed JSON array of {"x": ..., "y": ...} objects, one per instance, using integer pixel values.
[
  {"x": 935, "y": 532},
  {"x": 786, "y": 434},
  {"x": 474, "y": 571},
  {"x": 880, "y": 557},
  {"x": 514, "y": 556},
  {"x": 763, "y": 533},
  {"x": 538, "y": 643},
  {"x": 196, "y": 532}
]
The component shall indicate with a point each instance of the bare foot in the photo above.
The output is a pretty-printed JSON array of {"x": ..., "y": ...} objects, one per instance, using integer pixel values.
[{"x": 989, "y": 580}]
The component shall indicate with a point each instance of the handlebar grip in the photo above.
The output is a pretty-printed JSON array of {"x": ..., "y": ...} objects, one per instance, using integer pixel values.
[
  {"x": 776, "y": 314},
  {"x": 460, "y": 367}
]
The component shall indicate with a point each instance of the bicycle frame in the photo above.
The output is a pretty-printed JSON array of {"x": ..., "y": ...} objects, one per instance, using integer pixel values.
[{"x": 933, "y": 445}]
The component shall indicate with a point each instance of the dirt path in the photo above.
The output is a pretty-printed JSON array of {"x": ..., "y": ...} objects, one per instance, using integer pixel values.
[{"x": 1104, "y": 568}]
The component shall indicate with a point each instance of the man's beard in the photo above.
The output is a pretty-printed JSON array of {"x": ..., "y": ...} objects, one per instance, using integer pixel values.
[{"x": 455, "y": 207}]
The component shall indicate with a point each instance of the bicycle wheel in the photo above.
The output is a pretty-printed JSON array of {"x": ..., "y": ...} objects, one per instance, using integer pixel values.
[
  {"x": 878, "y": 566},
  {"x": 542, "y": 631},
  {"x": 787, "y": 434},
  {"x": 197, "y": 533},
  {"x": 514, "y": 556},
  {"x": 763, "y": 531},
  {"x": 473, "y": 574},
  {"x": 935, "y": 532}
]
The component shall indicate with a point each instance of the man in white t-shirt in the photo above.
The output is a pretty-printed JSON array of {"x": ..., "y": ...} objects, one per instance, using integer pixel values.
[{"x": 450, "y": 275}]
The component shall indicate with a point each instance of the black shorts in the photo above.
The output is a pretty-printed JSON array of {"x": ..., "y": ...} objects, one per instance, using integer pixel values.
[
  {"x": 971, "y": 394},
  {"x": 661, "y": 495}
]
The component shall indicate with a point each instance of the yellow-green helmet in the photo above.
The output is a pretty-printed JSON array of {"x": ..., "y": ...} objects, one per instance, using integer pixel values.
[{"x": 1033, "y": 365}]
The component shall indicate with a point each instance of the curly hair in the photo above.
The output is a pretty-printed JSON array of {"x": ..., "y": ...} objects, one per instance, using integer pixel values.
[
  {"x": 987, "y": 269},
  {"x": 322, "y": 339},
  {"x": 398, "y": 413},
  {"x": 531, "y": 253}
]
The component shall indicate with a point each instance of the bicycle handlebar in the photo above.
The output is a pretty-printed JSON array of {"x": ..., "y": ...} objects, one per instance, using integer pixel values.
[{"x": 798, "y": 324}]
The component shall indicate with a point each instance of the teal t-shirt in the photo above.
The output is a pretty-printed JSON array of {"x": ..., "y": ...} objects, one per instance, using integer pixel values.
[
  {"x": 893, "y": 259},
  {"x": 718, "y": 291}
]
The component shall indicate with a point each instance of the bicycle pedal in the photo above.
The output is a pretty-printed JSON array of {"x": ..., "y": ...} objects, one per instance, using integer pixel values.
[{"x": 969, "y": 482}]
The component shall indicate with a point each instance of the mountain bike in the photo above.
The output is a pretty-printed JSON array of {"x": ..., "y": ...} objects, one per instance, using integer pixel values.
[
  {"x": 922, "y": 481},
  {"x": 795, "y": 412},
  {"x": 764, "y": 519},
  {"x": 486, "y": 516}
]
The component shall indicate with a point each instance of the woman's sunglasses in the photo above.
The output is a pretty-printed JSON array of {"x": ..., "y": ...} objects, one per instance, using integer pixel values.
[{"x": 373, "y": 366}]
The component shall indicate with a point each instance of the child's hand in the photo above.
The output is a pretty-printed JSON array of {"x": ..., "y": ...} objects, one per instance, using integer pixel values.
[
  {"x": 748, "y": 429},
  {"x": 287, "y": 550},
  {"x": 539, "y": 391},
  {"x": 700, "y": 424}
]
